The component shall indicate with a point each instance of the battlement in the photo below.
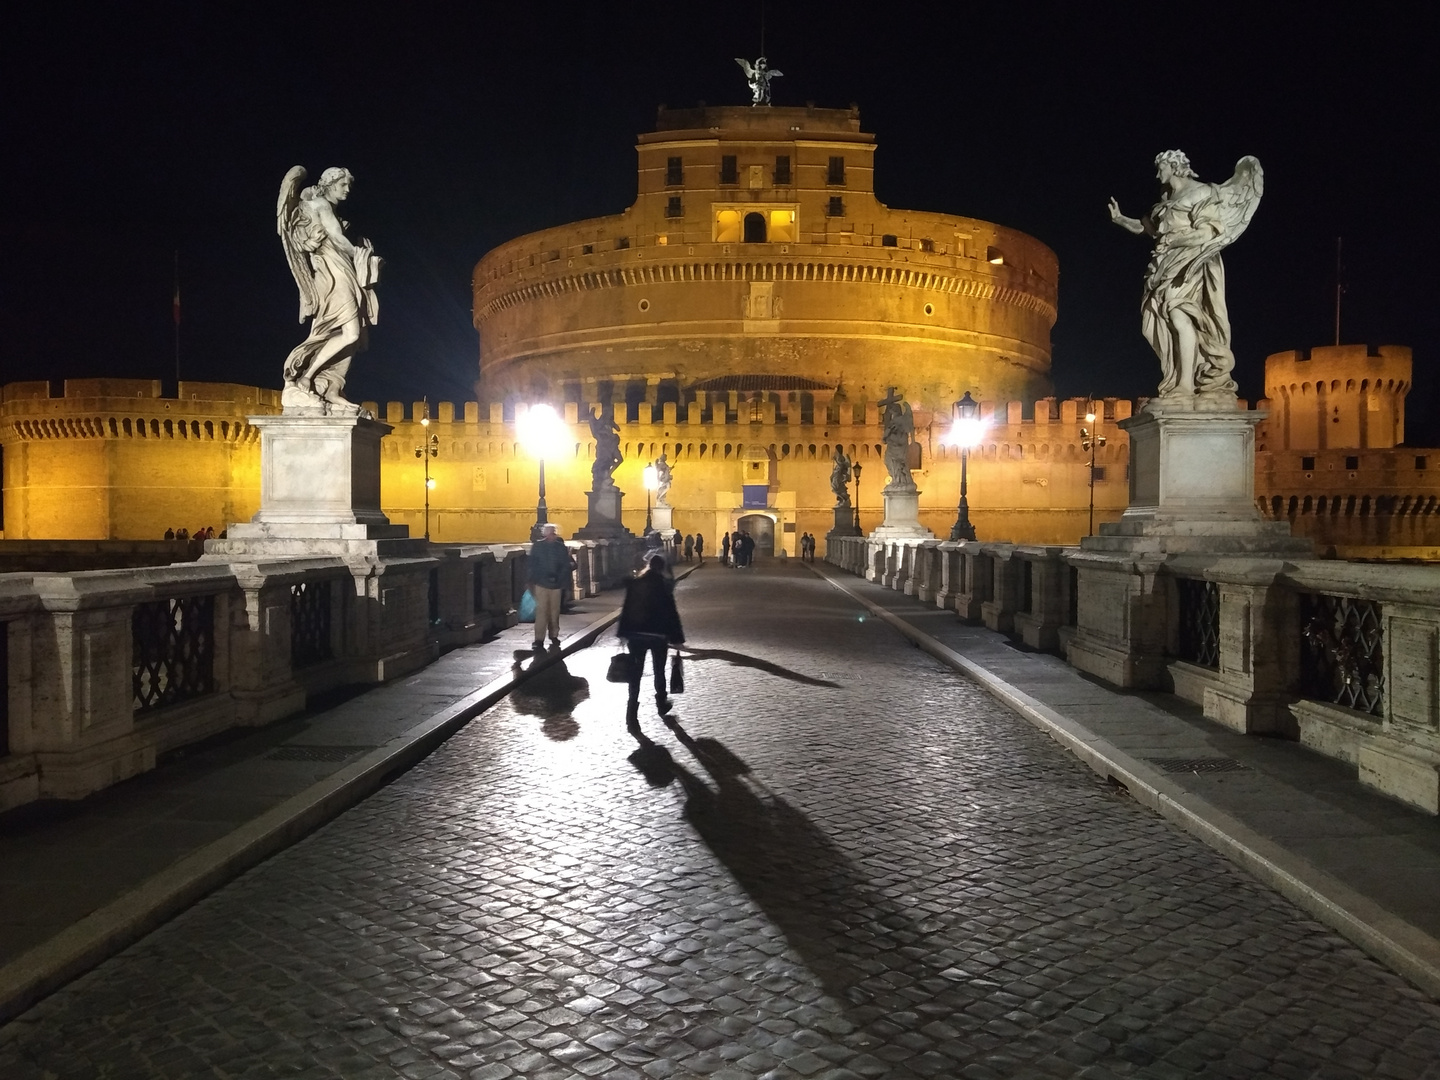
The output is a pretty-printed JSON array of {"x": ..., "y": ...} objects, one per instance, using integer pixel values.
[
  {"x": 254, "y": 398},
  {"x": 1338, "y": 369}
]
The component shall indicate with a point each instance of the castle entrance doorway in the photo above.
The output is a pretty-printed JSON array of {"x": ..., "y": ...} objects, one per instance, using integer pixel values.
[
  {"x": 762, "y": 530},
  {"x": 754, "y": 228}
]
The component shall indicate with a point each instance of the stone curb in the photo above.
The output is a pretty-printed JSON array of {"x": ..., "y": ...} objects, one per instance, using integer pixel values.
[
  {"x": 1394, "y": 942},
  {"x": 103, "y": 933}
]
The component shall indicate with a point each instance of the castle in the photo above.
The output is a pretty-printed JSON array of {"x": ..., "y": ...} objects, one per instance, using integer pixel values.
[{"x": 744, "y": 317}]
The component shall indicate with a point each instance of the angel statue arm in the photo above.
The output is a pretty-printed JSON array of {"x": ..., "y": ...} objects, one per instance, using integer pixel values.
[{"x": 1129, "y": 224}]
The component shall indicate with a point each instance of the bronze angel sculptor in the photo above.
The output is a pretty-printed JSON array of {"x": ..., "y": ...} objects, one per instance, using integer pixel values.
[
  {"x": 758, "y": 76},
  {"x": 337, "y": 291},
  {"x": 1183, "y": 314}
]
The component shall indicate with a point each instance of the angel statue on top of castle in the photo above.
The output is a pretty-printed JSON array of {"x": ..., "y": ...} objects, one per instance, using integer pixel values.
[
  {"x": 337, "y": 291},
  {"x": 1183, "y": 313},
  {"x": 758, "y": 76}
]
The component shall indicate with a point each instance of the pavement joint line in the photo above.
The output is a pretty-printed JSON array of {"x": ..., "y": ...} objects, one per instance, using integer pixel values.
[
  {"x": 47, "y": 967},
  {"x": 1390, "y": 939}
]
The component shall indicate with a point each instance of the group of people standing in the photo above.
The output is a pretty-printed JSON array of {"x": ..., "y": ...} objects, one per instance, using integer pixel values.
[
  {"x": 693, "y": 547},
  {"x": 738, "y": 546},
  {"x": 807, "y": 547},
  {"x": 206, "y": 533}
]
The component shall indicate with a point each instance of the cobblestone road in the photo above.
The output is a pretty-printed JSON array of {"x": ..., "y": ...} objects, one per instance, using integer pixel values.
[{"x": 847, "y": 862}]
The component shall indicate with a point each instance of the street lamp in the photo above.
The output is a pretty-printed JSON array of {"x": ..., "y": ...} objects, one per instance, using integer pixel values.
[
  {"x": 965, "y": 431},
  {"x": 652, "y": 481},
  {"x": 856, "y": 470},
  {"x": 542, "y": 433},
  {"x": 428, "y": 448},
  {"x": 1090, "y": 438}
]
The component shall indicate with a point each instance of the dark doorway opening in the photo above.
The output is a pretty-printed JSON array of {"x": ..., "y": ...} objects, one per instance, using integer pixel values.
[
  {"x": 762, "y": 530},
  {"x": 754, "y": 228}
]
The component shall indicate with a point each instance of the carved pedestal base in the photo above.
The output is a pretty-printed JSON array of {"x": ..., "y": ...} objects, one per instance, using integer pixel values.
[
  {"x": 902, "y": 517},
  {"x": 319, "y": 491},
  {"x": 603, "y": 522},
  {"x": 1192, "y": 492},
  {"x": 661, "y": 519},
  {"x": 844, "y": 522}
]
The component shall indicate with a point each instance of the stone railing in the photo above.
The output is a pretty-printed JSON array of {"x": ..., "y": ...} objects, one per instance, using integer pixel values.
[
  {"x": 1343, "y": 657},
  {"x": 107, "y": 670}
]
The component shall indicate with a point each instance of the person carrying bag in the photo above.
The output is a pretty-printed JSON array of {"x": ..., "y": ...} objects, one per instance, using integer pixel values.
[{"x": 649, "y": 623}]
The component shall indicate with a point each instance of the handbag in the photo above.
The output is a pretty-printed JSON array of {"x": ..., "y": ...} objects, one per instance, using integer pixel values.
[
  {"x": 621, "y": 664},
  {"x": 677, "y": 675}
]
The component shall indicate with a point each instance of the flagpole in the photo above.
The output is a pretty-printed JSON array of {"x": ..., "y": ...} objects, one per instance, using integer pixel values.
[{"x": 176, "y": 312}]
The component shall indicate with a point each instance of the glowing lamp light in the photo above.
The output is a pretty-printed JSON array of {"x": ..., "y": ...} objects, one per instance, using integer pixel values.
[
  {"x": 541, "y": 431},
  {"x": 652, "y": 478},
  {"x": 967, "y": 429}
]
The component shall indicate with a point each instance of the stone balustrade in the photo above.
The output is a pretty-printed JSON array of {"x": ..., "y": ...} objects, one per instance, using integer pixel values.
[
  {"x": 107, "y": 670},
  {"x": 1343, "y": 657}
]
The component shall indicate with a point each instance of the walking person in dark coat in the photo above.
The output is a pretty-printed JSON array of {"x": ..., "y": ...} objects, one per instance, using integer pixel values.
[
  {"x": 725, "y": 550},
  {"x": 649, "y": 622},
  {"x": 550, "y": 569},
  {"x": 700, "y": 547}
]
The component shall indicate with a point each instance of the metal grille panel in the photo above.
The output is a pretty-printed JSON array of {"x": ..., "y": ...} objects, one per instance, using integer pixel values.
[
  {"x": 1199, "y": 622},
  {"x": 310, "y": 623},
  {"x": 172, "y": 651},
  {"x": 1197, "y": 765},
  {"x": 1342, "y": 659}
]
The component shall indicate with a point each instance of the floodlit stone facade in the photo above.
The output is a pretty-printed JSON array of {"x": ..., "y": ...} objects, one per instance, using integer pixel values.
[{"x": 756, "y": 258}]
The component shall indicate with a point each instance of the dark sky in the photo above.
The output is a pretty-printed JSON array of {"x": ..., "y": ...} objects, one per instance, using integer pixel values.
[{"x": 132, "y": 130}]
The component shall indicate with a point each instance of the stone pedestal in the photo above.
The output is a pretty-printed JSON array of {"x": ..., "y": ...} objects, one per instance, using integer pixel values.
[
  {"x": 902, "y": 517},
  {"x": 662, "y": 519},
  {"x": 603, "y": 522},
  {"x": 1192, "y": 493},
  {"x": 844, "y": 522},
  {"x": 319, "y": 481}
]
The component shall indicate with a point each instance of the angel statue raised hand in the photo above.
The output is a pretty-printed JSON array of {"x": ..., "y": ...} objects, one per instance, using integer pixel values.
[
  {"x": 759, "y": 76},
  {"x": 337, "y": 291},
  {"x": 1183, "y": 313}
]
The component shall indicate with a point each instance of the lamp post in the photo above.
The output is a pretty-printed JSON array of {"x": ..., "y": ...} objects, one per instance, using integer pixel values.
[
  {"x": 856, "y": 470},
  {"x": 652, "y": 481},
  {"x": 1090, "y": 438},
  {"x": 541, "y": 432},
  {"x": 428, "y": 448},
  {"x": 965, "y": 431}
]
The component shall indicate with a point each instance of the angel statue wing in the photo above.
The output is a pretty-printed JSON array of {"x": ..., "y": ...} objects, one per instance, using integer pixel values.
[
  {"x": 285, "y": 208},
  {"x": 745, "y": 67},
  {"x": 774, "y": 74},
  {"x": 1237, "y": 201}
]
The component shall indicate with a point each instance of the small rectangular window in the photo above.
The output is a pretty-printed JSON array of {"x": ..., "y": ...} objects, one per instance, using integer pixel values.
[
  {"x": 622, "y": 242},
  {"x": 672, "y": 207},
  {"x": 729, "y": 170},
  {"x": 836, "y": 172},
  {"x": 1098, "y": 473},
  {"x": 782, "y": 168},
  {"x": 1307, "y": 464},
  {"x": 587, "y": 249},
  {"x": 927, "y": 244},
  {"x": 1352, "y": 463},
  {"x": 674, "y": 171},
  {"x": 1421, "y": 462},
  {"x": 889, "y": 240},
  {"x": 837, "y": 206}
]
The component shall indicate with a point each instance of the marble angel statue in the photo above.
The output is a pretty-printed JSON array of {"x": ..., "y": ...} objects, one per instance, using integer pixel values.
[
  {"x": 337, "y": 290},
  {"x": 1183, "y": 314},
  {"x": 897, "y": 421},
  {"x": 840, "y": 476},
  {"x": 758, "y": 76},
  {"x": 664, "y": 478}
]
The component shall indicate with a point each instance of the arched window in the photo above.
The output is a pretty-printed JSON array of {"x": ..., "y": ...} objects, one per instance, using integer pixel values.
[{"x": 754, "y": 228}]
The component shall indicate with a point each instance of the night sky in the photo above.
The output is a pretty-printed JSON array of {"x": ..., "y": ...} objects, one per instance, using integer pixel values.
[{"x": 131, "y": 131}]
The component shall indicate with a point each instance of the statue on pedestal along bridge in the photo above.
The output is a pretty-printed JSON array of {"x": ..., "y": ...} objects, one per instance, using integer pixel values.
[
  {"x": 1183, "y": 314},
  {"x": 898, "y": 424},
  {"x": 759, "y": 76},
  {"x": 606, "y": 433},
  {"x": 337, "y": 281},
  {"x": 840, "y": 477},
  {"x": 664, "y": 477}
]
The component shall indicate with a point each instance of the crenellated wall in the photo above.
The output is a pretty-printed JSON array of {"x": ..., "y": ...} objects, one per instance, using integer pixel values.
[
  {"x": 127, "y": 465},
  {"x": 1335, "y": 396}
]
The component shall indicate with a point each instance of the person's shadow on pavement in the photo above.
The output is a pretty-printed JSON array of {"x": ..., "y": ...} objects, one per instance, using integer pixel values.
[
  {"x": 552, "y": 693},
  {"x": 740, "y": 659}
]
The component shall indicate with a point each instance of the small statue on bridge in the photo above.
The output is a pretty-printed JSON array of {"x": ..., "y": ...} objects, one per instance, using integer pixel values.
[
  {"x": 840, "y": 477},
  {"x": 663, "y": 479},
  {"x": 606, "y": 433},
  {"x": 898, "y": 423}
]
